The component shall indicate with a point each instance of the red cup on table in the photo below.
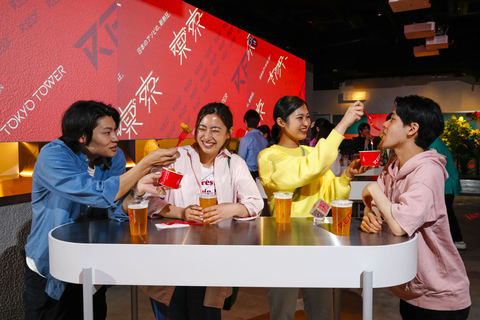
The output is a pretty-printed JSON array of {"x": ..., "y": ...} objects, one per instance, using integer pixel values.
[
  {"x": 170, "y": 178},
  {"x": 370, "y": 158}
]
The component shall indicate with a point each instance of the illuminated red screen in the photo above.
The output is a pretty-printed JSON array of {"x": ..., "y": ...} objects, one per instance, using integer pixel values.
[{"x": 158, "y": 64}]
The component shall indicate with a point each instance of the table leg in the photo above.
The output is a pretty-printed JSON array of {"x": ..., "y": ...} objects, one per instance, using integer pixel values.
[
  {"x": 337, "y": 303},
  {"x": 367, "y": 284},
  {"x": 87, "y": 280},
  {"x": 134, "y": 302}
]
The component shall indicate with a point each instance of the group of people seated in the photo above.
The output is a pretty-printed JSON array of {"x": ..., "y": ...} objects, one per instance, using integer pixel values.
[{"x": 85, "y": 168}]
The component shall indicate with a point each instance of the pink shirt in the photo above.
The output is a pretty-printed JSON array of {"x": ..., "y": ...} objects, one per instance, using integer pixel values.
[
  {"x": 418, "y": 205},
  {"x": 233, "y": 183}
]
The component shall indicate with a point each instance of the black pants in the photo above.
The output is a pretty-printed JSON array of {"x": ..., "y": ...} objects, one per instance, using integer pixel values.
[
  {"x": 254, "y": 174},
  {"x": 38, "y": 305},
  {"x": 452, "y": 219},
  {"x": 186, "y": 304},
  {"x": 409, "y": 312}
]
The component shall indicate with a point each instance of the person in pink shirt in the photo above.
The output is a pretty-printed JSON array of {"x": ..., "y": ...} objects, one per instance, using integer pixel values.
[
  {"x": 207, "y": 166},
  {"x": 409, "y": 195}
]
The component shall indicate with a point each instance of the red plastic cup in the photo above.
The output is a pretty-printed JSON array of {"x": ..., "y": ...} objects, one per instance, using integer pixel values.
[
  {"x": 170, "y": 179},
  {"x": 370, "y": 158}
]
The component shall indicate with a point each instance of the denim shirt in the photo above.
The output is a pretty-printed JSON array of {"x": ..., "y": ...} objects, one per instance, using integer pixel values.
[
  {"x": 250, "y": 146},
  {"x": 61, "y": 190}
]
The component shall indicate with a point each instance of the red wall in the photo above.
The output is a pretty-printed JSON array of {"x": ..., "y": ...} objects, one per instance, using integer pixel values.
[{"x": 54, "y": 52}]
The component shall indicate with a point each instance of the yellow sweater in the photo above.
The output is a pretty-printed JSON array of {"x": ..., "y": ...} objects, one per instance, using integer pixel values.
[{"x": 285, "y": 169}]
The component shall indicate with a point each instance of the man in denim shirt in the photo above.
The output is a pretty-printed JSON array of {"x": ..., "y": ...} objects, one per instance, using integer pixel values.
[
  {"x": 81, "y": 170},
  {"x": 252, "y": 143}
]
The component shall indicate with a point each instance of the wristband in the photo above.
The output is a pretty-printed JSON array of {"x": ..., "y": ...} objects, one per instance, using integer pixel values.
[{"x": 135, "y": 195}]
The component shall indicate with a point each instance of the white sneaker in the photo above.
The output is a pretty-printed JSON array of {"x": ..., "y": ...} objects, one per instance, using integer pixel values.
[{"x": 460, "y": 245}]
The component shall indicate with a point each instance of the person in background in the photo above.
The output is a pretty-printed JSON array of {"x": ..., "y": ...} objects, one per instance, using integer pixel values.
[
  {"x": 252, "y": 143},
  {"x": 265, "y": 130},
  {"x": 452, "y": 189},
  {"x": 81, "y": 171},
  {"x": 274, "y": 135},
  {"x": 409, "y": 195},
  {"x": 323, "y": 131},
  {"x": 304, "y": 171},
  {"x": 365, "y": 141},
  {"x": 207, "y": 166},
  {"x": 315, "y": 128}
]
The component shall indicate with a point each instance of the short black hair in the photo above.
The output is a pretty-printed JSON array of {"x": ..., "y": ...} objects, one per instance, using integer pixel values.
[
  {"x": 219, "y": 109},
  {"x": 252, "y": 117},
  {"x": 362, "y": 126},
  {"x": 426, "y": 113},
  {"x": 81, "y": 118},
  {"x": 264, "y": 129}
]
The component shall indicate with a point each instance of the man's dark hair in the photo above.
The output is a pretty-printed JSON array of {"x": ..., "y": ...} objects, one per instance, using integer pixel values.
[
  {"x": 362, "y": 126},
  {"x": 426, "y": 113},
  {"x": 81, "y": 118},
  {"x": 252, "y": 117}
]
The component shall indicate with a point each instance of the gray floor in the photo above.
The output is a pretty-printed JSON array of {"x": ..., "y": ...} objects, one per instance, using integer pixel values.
[{"x": 252, "y": 302}]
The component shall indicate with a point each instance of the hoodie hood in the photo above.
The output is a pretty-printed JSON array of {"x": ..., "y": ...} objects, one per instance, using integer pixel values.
[{"x": 429, "y": 157}]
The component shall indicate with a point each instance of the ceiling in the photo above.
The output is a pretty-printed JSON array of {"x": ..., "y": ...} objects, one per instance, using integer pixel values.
[{"x": 358, "y": 39}]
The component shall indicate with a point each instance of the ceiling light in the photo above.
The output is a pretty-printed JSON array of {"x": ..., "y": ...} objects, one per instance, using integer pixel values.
[
  {"x": 422, "y": 51},
  {"x": 351, "y": 96},
  {"x": 407, "y": 5},
  {"x": 438, "y": 42},
  {"x": 419, "y": 30}
]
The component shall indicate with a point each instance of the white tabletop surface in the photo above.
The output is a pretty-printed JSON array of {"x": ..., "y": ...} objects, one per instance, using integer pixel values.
[{"x": 233, "y": 253}]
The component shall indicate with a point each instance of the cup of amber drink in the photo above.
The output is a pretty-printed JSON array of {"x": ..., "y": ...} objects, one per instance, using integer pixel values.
[
  {"x": 137, "y": 215},
  {"x": 170, "y": 178},
  {"x": 207, "y": 199},
  {"x": 283, "y": 206},
  {"x": 341, "y": 216}
]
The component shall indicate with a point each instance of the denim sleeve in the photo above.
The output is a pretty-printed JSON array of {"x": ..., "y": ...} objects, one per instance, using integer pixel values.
[
  {"x": 115, "y": 212},
  {"x": 63, "y": 174}
]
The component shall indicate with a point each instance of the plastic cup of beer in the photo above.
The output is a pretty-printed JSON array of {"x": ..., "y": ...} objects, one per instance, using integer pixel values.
[
  {"x": 341, "y": 216},
  {"x": 137, "y": 215},
  {"x": 207, "y": 199},
  {"x": 283, "y": 206}
]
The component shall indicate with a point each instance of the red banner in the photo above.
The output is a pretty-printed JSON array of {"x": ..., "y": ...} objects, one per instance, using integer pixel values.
[{"x": 157, "y": 62}]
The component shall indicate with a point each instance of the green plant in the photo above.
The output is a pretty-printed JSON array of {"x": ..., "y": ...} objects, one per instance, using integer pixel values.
[{"x": 460, "y": 138}]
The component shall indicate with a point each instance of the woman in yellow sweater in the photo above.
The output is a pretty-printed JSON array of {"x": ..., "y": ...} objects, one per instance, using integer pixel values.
[{"x": 305, "y": 171}]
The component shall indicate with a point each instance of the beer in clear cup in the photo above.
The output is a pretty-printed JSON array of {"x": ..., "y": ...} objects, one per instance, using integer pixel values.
[
  {"x": 207, "y": 199},
  {"x": 341, "y": 216},
  {"x": 137, "y": 215},
  {"x": 283, "y": 206}
]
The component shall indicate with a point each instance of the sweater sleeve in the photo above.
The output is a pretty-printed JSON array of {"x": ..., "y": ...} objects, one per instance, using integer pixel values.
[{"x": 282, "y": 171}]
